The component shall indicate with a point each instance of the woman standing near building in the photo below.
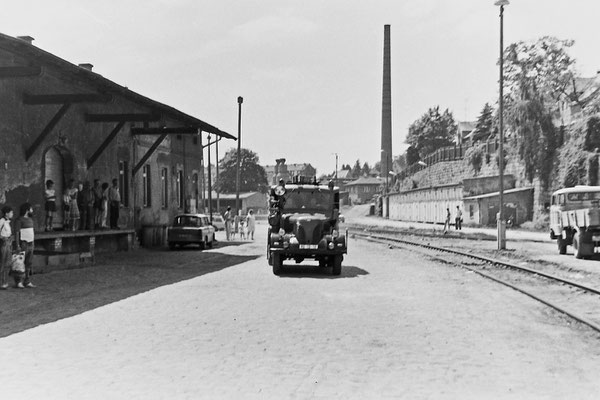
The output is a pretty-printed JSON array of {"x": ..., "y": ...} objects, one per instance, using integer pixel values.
[
  {"x": 104, "y": 215},
  {"x": 5, "y": 245},
  {"x": 251, "y": 223},
  {"x": 71, "y": 196}
]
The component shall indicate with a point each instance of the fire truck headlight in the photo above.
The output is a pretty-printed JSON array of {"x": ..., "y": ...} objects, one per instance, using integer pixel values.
[
  {"x": 335, "y": 233},
  {"x": 331, "y": 245},
  {"x": 281, "y": 231}
]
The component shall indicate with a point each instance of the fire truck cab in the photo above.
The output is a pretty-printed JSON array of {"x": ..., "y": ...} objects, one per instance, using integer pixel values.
[{"x": 304, "y": 223}]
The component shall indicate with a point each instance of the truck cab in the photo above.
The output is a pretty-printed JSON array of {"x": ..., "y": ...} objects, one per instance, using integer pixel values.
[{"x": 304, "y": 223}]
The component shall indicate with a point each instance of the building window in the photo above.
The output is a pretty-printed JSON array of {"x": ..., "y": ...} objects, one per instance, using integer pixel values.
[
  {"x": 124, "y": 182},
  {"x": 164, "y": 184},
  {"x": 147, "y": 183},
  {"x": 471, "y": 211},
  {"x": 180, "y": 184}
]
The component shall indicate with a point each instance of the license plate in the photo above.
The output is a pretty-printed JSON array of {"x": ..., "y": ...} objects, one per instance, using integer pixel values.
[
  {"x": 596, "y": 238},
  {"x": 309, "y": 246}
]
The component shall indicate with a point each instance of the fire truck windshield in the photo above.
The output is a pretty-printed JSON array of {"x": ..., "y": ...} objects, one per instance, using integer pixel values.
[{"x": 308, "y": 200}]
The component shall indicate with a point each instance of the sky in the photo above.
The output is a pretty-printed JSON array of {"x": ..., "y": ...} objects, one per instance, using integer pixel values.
[{"x": 310, "y": 71}]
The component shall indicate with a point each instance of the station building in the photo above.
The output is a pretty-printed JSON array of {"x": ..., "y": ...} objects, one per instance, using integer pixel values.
[{"x": 62, "y": 121}]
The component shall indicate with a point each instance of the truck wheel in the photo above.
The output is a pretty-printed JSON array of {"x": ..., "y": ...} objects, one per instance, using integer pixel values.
[
  {"x": 172, "y": 245},
  {"x": 210, "y": 244},
  {"x": 202, "y": 244},
  {"x": 578, "y": 250},
  {"x": 277, "y": 263},
  {"x": 337, "y": 265},
  {"x": 562, "y": 245}
]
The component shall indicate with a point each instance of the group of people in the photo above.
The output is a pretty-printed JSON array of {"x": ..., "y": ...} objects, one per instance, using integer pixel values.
[
  {"x": 85, "y": 206},
  {"x": 457, "y": 220},
  {"x": 238, "y": 224},
  {"x": 16, "y": 247}
]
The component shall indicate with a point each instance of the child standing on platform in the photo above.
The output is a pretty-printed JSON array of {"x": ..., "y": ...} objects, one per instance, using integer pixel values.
[{"x": 49, "y": 204}]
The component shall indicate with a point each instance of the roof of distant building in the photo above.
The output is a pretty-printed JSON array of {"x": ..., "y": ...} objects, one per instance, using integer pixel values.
[{"x": 366, "y": 180}]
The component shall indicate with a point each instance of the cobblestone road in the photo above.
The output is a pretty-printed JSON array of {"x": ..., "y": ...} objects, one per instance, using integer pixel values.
[{"x": 392, "y": 326}]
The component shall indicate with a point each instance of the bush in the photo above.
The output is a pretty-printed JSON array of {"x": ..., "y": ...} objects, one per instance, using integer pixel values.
[
  {"x": 474, "y": 157},
  {"x": 542, "y": 223}
]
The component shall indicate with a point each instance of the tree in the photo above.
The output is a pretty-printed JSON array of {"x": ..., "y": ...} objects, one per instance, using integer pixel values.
[
  {"x": 483, "y": 128},
  {"x": 412, "y": 155},
  {"x": 542, "y": 70},
  {"x": 356, "y": 170},
  {"x": 252, "y": 176},
  {"x": 366, "y": 169},
  {"x": 537, "y": 76},
  {"x": 432, "y": 131}
]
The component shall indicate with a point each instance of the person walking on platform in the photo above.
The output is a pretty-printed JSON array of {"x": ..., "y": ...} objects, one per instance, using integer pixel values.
[
  {"x": 458, "y": 219},
  {"x": 447, "y": 222}
]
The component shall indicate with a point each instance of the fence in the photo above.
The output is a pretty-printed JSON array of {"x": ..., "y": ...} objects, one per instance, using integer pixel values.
[{"x": 450, "y": 153}]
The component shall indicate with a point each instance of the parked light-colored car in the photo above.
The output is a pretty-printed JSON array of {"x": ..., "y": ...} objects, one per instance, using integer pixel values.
[{"x": 191, "y": 229}]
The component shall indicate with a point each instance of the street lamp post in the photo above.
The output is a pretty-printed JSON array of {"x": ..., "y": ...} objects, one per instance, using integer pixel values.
[
  {"x": 500, "y": 223},
  {"x": 336, "y": 169},
  {"x": 209, "y": 183},
  {"x": 240, "y": 100}
]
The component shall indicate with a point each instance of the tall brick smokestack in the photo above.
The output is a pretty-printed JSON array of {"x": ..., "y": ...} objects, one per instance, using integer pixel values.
[{"x": 386, "y": 109}]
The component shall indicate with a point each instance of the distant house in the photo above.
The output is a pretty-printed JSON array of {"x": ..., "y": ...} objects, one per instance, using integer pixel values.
[
  {"x": 287, "y": 171},
  {"x": 248, "y": 200},
  {"x": 587, "y": 92},
  {"x": 464, "y": 132},
  {"x": 344, "y": 177},
  {"x": 363, "y": 189}
]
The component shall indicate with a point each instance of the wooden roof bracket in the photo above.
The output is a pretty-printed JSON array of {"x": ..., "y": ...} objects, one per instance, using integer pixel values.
[
  {"x": 65, "y": 100},
  {"x": 146, "y": 156},
  {"x": 36, "y": 143},
  {"x": 104, "y": 145},
  {"x": 19, "y": 72}
]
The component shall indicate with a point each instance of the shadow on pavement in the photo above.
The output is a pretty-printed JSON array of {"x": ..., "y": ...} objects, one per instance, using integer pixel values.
[
  {"x": 114, "y": 277},
  {"x": 317, "y": 272}
]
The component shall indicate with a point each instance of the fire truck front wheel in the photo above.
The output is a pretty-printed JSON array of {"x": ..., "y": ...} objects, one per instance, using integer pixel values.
[{"x": 277, "y": 263}]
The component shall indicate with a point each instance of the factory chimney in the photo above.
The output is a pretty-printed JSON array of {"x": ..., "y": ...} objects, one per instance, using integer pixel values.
[{"x": 386, "y": 109}]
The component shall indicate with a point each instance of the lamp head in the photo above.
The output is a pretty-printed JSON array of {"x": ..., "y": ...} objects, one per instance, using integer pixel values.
[{"x": 502, "y": 3}]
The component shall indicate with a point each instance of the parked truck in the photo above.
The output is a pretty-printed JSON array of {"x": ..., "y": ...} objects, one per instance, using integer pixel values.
[{"x": 575, "y": 219}]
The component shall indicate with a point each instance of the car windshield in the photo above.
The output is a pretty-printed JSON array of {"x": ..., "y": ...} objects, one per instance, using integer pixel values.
[
  {"x": 308, "y": 200},
  {"x": 188, "y": 220},
  {"x": 582, "y": 196}
]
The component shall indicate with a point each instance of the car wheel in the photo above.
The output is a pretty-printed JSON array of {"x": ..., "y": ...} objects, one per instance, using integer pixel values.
[
  {"x": 210, "y": 244},
  {"x": 277, "y": 263},
  {"x": 172, "y": 245},
  {"x": 337, "y": 265}
]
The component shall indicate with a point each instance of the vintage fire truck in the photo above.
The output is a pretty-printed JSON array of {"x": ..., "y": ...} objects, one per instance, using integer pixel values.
[
  {"x": 575, "y": 219},
  {"x": 304, "y": 223}
]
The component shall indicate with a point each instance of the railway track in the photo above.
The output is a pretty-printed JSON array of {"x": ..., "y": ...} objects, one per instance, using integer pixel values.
[{"x": 575, "y": 299}]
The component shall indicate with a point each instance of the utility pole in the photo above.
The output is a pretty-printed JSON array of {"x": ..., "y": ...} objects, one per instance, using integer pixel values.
[{"x": 240, "y": 100}]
